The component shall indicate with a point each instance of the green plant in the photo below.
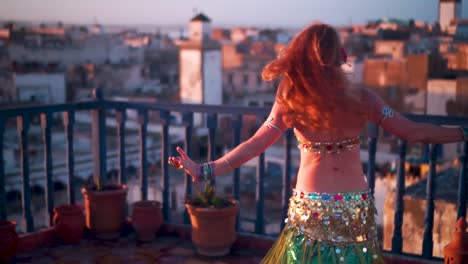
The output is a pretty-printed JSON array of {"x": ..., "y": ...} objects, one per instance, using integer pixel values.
[
  {"x": 99, "y": 185},
  {"x": 208, "y": 198}
]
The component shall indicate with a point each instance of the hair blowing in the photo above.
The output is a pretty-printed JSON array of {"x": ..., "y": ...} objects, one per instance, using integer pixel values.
[{"x": 313, "y": 88}]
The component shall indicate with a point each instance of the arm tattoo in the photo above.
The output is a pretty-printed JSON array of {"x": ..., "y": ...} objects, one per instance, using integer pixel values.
[{"x": 387, "y": 113}]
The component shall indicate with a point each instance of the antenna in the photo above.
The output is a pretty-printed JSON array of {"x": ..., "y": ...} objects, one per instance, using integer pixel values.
[{"x": 196, "y": 4}]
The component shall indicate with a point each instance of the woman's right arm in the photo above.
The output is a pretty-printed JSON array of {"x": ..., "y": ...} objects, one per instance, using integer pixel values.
[{"x": 380, "y": 113}]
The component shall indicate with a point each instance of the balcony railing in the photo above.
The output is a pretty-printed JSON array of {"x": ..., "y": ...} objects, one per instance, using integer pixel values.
[{"x": 99, "y": 109}]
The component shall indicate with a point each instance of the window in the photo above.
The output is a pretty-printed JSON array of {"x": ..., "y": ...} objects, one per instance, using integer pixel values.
[
  {"x": 259, "y": 80},
  {"x": 246, "y": 79},
  {"x": 392, "y": 92},
  {"x": 253, "y": 103},
  {"x": 230, "y": 78},
  {"x": 268, "y": 104}
]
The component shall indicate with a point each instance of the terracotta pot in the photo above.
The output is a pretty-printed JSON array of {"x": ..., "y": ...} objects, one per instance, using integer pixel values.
[
  {"x": 146, "y": 219},
  {"x": 69, "y": 223},
  {"x": 8, "y": 241},
  {"x": 213, "y": 229},
  {"x": 457, "y": 250},
  {"x": 105, "y": 211}
]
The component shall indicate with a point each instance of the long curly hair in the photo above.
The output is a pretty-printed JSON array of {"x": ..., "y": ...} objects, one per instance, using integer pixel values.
[{"x": 313, "y": 86}]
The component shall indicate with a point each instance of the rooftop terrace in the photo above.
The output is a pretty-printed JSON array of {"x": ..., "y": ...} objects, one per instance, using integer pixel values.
[{"x": 173, "y": 243}]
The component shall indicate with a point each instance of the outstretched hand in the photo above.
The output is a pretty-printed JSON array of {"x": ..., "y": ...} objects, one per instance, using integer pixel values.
[{"x": 186, "y": 163}]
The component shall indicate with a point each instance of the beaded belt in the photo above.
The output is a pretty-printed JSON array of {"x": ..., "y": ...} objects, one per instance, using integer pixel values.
[
  {"x": 347, "y": 217},
  {"x": 328, "y": 147}
]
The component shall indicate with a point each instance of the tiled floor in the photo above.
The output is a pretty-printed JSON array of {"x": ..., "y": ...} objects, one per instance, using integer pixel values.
[{"x": 166, "y": 249}]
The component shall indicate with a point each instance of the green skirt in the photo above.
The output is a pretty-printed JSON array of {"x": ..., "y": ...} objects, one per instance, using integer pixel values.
[{"x": 328, "y": 228}]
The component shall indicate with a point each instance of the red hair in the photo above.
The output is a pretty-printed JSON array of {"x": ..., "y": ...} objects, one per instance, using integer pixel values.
[{"x": 313, "y": 83}]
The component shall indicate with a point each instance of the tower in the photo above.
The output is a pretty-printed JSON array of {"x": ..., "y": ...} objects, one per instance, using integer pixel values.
[
  {"x": 448, "y": 11},
  {"x": 200, "y": 63}
]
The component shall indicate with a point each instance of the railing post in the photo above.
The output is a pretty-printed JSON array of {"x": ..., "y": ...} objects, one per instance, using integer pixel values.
[
  {"x": 236, "y": 126},
  {"x": 187, "y": 119},
  {"x": 429, "y": 217},
  {"x": 397, "y": 240},
  {"x": 165, "y": 119},
  {"x": 98, "y": 130},
  {"x": 69, "y": 122},
  {"x": 373, "y": 132},
  {"x": 143, "y": 124},
  {"x": 46, "y": 123},
  {"x": 212, "y": 124},
  {"x": 23, "y": 129},
  {"x": 463, "y": 183},
  {"x": 3, "y": 201},
  {"x": 259, "y": 194},
  {"x": 286, "y": 176},
  {"x": 121, "y": 118}
]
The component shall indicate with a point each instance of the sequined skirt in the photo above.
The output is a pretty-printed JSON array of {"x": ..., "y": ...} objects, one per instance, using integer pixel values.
[{"x": 328, "y": 228}]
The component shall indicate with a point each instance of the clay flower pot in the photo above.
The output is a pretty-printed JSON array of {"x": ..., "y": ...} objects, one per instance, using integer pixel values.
[
  {"x": 105, "y": 210},
  {"x": 69, "y": 223},
  {"x": 146, "y": 219},
  {"x": 456, "y": 250},
  {"x": 8, "y": 241},
  {"x": 213, "y": 229}
]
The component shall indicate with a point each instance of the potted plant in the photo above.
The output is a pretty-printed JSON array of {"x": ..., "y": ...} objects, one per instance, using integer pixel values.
[
  {"x": 213, "y": 221},
  {"x": 146, "y": 219},
  {"x": 69, "y": 222},
  {"x": 8, "y": 241},
  {"x": 105, "y": 208}
]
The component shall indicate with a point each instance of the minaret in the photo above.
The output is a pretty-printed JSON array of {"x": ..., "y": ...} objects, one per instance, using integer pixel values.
[
  {"x": 200, "y": 63},
  {"x": 448, "y": 11}
]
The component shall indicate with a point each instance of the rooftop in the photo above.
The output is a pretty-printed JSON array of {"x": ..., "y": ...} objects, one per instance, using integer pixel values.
[
  {"x": 164, "y": 249},
  {"x": 445, "y": 181},
  {"x": 172, "y": 245},
  {"x": 201, "y": 17}
]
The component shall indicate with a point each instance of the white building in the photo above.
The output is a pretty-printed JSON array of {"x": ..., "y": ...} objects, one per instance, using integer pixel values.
[
  {"x": 439, "y": 92},
  {"x": 448, "y": 11},
  {"x": 41, "y": 87},
  {"x": 200, "y": 63}
]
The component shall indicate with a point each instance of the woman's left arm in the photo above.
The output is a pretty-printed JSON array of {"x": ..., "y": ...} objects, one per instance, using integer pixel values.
[
  {"x": 265, "y": 136},
  {"x": 271, "y": 130}
]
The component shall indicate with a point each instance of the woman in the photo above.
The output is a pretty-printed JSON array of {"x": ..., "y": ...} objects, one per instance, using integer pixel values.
[{"x": 331, "y": 215}]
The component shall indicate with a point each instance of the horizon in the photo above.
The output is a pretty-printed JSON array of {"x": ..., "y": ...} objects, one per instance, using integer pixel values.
[{"x": 261, "y": 13}]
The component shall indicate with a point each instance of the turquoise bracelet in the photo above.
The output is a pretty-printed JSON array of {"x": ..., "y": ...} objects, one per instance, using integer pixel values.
[{"x": 206, "y": 172}]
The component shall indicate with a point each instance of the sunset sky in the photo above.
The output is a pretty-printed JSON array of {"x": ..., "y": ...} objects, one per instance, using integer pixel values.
[{"x": 290, "y": 13}]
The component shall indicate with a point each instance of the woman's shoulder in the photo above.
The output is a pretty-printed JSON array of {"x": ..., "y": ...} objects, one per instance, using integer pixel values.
[
  {"x": 366, "y": 95},
  {"x": 359, "y": 91}
]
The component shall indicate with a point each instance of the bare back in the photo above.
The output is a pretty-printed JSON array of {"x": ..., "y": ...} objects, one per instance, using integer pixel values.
[{"x": 335, "y": 172}]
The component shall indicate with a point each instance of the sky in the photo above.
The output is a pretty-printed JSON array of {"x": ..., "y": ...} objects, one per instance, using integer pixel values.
[{"x": 284, "y": 13}]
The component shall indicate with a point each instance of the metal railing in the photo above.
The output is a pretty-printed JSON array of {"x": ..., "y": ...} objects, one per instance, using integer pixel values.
[{"x": 99, "y": 108}]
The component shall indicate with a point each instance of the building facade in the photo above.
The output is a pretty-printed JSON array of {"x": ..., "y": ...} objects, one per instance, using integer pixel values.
[{"x": 449, "y": 10}]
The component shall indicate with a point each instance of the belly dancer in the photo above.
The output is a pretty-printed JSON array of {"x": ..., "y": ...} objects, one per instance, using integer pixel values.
[{"x": 331, "y": 214}]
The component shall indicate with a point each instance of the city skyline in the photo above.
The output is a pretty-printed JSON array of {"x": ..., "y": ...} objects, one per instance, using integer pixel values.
[{"x": 223, "y": 13}]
